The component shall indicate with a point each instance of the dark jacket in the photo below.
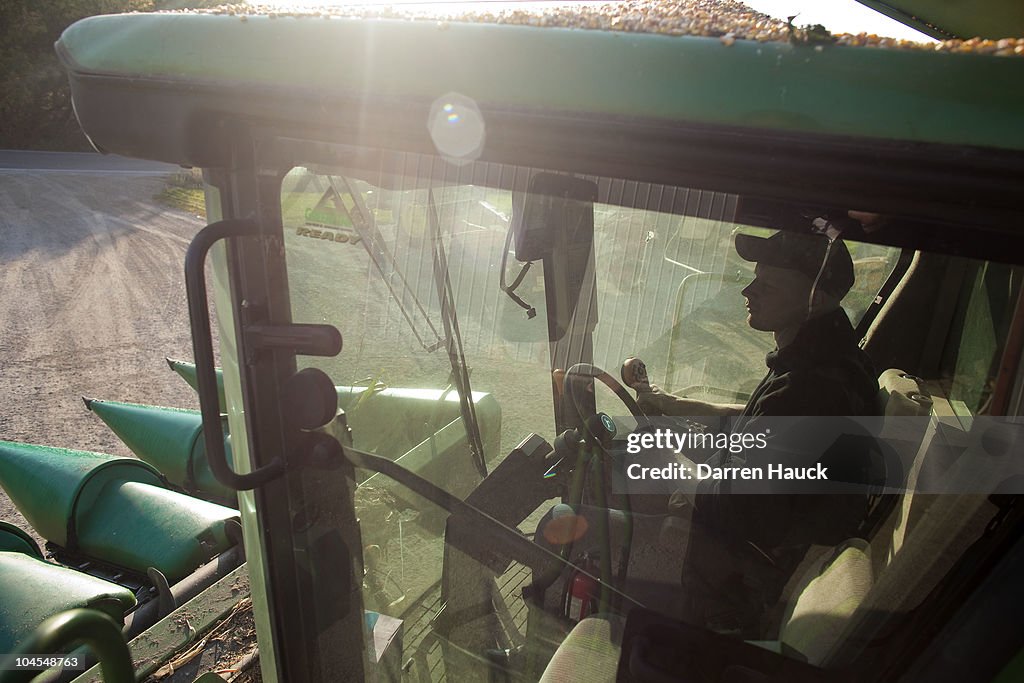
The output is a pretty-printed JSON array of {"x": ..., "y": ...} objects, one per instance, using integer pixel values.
[{"x": 822, "y": 372}]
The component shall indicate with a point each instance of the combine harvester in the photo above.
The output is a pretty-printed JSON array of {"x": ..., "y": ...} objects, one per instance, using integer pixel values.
[{"x": 430, "y": 231}]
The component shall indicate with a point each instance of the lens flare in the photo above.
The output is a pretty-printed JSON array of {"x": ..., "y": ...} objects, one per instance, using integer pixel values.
[{"x": 456, "y": 126}]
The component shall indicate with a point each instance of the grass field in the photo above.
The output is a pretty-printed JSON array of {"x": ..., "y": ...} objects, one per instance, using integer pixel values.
[{"x": 184, "y": 191}]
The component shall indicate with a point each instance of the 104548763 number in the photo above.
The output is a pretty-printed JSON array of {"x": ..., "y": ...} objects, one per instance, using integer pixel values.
[{"x": 39, "y": 662}]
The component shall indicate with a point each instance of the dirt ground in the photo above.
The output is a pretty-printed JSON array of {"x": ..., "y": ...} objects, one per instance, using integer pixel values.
[{"x": 92, "y": 298}]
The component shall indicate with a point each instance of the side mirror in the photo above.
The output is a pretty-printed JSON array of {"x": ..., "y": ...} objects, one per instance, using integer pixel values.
[
  {"x": 557, "y": 209},
  {"x": 556, "y": 225}
]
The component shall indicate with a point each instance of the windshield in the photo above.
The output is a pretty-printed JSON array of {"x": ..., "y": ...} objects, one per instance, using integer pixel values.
[
  {"x": 473, "y": 299},
  {"x": 666, "y": 288}
]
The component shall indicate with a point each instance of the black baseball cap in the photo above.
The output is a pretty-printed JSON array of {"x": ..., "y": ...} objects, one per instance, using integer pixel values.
[{"x": 803, "y": 253}]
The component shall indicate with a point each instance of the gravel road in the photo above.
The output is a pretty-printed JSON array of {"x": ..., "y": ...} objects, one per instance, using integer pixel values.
[{"x": 93, "y": 299}]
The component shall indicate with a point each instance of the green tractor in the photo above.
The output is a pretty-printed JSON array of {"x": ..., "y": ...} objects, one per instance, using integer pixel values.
[{"x": 434, "y": 239}]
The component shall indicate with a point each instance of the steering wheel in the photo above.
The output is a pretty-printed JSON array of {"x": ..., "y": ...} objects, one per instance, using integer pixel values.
[
  {"x": 578, "y": 379},
  {"x": 600, "y": 428}
]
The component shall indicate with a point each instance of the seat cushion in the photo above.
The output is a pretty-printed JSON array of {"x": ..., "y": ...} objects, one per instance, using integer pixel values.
[
  {"x": 824, "y": 607},
  {"x": 589, "y": 653}
]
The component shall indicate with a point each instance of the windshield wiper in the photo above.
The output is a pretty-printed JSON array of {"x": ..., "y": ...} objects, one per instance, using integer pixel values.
[{"x": 450, "y": 321}]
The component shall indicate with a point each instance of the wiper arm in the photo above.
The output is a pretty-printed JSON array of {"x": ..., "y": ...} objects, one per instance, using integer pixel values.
[{"x": 450, "y": 321}]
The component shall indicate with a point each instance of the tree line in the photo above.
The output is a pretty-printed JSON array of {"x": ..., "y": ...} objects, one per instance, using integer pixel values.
[{"x": 35, "y": 100}]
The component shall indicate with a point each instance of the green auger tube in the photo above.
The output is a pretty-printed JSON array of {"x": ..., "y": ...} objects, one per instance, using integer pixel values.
[
  {"x": 115, "y": 510},
  {"x": 187, "y": 371},
  {"x": 170, "y": 439},
  {"x": 35, "y": 590}
]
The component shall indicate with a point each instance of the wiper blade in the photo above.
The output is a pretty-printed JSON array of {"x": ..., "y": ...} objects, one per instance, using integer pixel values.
[{"x": 456, "y": 355}]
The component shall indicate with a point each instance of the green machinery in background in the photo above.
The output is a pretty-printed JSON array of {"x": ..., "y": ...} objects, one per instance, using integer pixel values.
[{"x": 130, "y": 517}]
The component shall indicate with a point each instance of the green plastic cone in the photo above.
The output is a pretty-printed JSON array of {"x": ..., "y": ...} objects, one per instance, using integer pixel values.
[
  {"x": 187, "y": 371},
  {"x": 170, "y": 439},
  {"x": 163, "y": 437},
  {"x": 48, "y": 485}
]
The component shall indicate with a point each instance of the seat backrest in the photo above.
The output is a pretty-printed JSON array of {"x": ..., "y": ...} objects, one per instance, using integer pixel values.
[
  {"x": 903, "y": 403},
  {"x": 905, "y": 432},
  {"x": 926, "y": 532},
  {"x": 834, "y": 591}
]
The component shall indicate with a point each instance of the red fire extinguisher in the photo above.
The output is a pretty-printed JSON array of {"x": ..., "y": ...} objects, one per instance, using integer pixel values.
[{"x": 581, "y": 590}]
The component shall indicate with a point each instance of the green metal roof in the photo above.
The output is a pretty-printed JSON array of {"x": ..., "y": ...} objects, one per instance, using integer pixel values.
[{"x": 916, "y": 95}]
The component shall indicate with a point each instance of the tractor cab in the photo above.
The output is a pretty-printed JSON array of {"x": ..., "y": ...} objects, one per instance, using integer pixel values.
[{"x": 433, "y": 241}]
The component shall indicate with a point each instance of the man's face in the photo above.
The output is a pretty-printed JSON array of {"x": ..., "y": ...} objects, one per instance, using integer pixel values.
[{"x": 777, "y": 298}]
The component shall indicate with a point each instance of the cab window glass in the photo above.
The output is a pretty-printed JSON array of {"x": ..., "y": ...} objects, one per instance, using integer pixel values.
[
  {"x": 974, "y": 352},
  {"x": 417, "y": 265}
]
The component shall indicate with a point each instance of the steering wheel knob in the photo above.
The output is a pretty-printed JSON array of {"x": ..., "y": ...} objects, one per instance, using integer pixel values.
[{"x": 601, "y": 427}]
